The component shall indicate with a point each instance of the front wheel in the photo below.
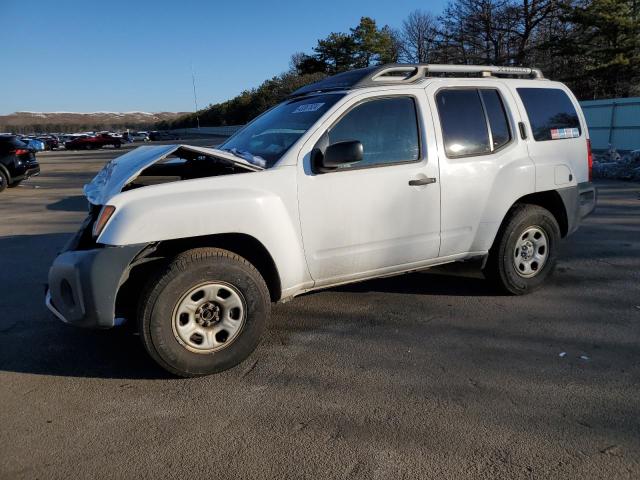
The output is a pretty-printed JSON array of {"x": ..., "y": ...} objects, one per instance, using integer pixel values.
[
  {"x": 525, "y": 251},
  {"x": 204, "y": 313}
]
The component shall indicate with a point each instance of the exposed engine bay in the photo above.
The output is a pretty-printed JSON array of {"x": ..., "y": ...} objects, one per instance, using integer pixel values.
[
  {"x": 183, "y": 166},
  {"x": 154, "y": 165}
]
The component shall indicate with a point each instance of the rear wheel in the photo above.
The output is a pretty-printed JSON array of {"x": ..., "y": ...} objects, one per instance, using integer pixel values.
[
  {"x": 4, "y": 181},
  {"x": 525, "y": 251},
  {"x": 204, "y": 313}
]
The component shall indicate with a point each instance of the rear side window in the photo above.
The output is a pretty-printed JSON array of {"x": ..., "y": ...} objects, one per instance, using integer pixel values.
[
  {"x": 474, "y": 121},
  {"x": 551, "y": 113},
  {"x": 386, "y": 127}
]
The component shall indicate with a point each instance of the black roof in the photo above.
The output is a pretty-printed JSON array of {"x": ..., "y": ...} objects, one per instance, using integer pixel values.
[{"x": 341, "y": 81}]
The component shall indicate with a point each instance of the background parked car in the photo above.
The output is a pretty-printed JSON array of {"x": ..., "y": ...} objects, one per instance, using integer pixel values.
[
  {"x": 68, "y": 137},
  {"x": 17, "y": 161},
  {"x": 34, "y": 143},
  {"x": 139, "y": 136},
  {"x": 163, "y": 135},
  {"x": 87, "y": 142},
  {"x": 51, "y": 142}
]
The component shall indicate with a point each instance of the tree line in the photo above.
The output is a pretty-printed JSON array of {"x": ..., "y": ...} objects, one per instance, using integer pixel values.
[{"x": 591, "y": 45}]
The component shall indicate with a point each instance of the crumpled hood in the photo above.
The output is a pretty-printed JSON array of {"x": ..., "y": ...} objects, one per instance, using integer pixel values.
[{"x": 121, "y": 170}]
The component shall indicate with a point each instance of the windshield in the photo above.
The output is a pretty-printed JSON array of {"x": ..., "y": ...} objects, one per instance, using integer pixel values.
[{"x": 268, "y": 137}]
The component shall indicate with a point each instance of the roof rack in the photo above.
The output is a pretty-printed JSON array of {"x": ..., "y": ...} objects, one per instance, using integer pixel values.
[{"x": 401, "y": 74}]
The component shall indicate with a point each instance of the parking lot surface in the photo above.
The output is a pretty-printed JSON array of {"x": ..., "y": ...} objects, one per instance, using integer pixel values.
[{"x": 427, "y": 375}]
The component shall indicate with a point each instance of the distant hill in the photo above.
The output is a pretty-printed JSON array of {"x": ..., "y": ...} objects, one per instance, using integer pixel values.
[{"x": 27, "y": 122}]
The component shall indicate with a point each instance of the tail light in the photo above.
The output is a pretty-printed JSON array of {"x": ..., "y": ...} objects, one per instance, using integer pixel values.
[
  {"x": 21, "y": 151},
  {"x": 589, "y": 159}
]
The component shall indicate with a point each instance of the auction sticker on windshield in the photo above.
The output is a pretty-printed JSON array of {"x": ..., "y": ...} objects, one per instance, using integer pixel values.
[{"x": 309, "y": 107}]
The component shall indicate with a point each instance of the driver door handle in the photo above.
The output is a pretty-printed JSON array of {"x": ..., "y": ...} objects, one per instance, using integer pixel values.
[{"x": 421, "y": 181}]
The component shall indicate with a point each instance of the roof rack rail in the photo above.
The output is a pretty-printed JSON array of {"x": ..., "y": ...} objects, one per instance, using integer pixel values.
[
  {"x": 398, "y": 74},
  {"x": 486, "y": 70}
]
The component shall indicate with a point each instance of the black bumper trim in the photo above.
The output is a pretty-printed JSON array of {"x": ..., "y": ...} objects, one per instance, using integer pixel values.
[
  {"x": 28, "y": 173},
  {"x": 579, "y": 202}
]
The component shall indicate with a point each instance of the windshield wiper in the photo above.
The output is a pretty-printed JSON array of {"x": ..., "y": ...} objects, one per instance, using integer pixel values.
[{"x": 248, "y": 156}]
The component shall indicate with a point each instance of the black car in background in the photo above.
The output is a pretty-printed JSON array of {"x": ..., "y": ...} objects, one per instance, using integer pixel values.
[
  {"x": 17, "y": 161},
  {"x": 51, "y": 142}
]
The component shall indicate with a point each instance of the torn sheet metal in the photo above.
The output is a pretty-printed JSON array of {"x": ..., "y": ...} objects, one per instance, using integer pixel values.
[{"x": 120, "y": 171}]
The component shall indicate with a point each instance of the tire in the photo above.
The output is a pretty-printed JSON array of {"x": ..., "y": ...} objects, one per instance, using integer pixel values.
[
  {"x": 117, "y": 145},
  {"x": 525, "y": 250},
  {"x": 168, "y": 335},
  {"x": 4, "y": 181}
]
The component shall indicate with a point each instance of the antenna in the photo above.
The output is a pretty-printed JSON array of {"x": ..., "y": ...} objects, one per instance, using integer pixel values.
[{"x": 195, "y": 98}]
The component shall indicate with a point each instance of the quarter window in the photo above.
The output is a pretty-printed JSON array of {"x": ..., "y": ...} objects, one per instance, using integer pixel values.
[
  {"x": 386, "y": 127},
  {"x": 551, "y": 113}
]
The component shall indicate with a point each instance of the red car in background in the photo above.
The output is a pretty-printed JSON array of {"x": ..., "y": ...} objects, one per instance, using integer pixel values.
[{"x": 90, "y": 142}]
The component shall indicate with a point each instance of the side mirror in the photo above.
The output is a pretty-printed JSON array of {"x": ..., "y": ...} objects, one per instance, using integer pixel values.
[{"x": 337, "y": 154}]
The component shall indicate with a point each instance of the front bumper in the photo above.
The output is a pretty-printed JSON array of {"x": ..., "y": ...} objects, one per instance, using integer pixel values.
[{"x": 83, "y": 284}]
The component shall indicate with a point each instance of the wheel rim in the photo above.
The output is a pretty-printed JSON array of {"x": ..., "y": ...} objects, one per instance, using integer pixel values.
[
  {"x": 531, "y": 252},
  {"x": 209, "y": 317}
]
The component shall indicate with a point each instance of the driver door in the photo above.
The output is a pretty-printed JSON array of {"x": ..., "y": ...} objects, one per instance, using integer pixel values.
[{"x": 366, "y": 219}]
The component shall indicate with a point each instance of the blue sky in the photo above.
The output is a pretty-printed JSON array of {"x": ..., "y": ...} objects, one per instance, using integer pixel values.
[{"x": 123, "y": 55}]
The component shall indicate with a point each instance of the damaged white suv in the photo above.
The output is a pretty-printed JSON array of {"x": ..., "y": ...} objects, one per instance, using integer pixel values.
[{"x": 368, "y": 173}]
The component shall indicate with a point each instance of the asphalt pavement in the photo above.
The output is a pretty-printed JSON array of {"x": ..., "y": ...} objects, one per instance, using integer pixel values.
[{"x": 427, "y": 375}]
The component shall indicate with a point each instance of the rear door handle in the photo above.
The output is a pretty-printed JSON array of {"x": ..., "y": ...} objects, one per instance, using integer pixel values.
[
  {"x": 523, "y": 130},
  {"x": 421, "y": 181}
]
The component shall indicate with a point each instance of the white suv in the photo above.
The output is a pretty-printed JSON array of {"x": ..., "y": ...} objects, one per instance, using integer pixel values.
[{"x": 368, "y": 173}]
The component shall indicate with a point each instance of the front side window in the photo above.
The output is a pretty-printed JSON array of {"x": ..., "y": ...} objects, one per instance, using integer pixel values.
[
  {"x": 386, "y": 127},
  {"x": 268, "y": 137},
  {"x": 551, "y": 113}
]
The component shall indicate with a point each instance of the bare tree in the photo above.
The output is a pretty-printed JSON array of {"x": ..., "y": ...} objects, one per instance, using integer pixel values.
[
  {"x": 525, "y": 16},
  {"x": 477, "y": 31},
  {"x": 417, "y": 37}
]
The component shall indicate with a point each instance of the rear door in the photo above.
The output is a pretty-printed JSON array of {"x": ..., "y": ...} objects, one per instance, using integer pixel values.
[{"x": 484, "y": 164}]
